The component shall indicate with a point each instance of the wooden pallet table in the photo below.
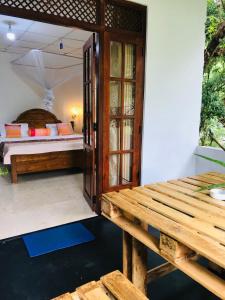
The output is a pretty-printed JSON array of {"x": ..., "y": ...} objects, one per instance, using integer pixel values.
[
  {"x": 191, "y": 225},
  {"x": 113, "y": 286}
]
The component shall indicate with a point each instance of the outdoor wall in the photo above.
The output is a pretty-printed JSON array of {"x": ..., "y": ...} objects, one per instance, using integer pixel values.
[
  {"x": 19, "y": 94},
  {"x": 203, "y": 165},
  {"x": 174, "y": 67}
]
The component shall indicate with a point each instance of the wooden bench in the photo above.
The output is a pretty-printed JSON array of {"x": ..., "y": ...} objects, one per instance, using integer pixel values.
[
  {"x": 113, "y": 286},
  {"x": 191, "y": 225}
]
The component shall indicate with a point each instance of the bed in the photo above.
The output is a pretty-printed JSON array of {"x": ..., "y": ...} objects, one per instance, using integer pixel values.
[{"x": 40, "y": 154}]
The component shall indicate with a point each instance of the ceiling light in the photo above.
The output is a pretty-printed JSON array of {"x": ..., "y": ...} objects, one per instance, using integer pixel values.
[{"x": 10, "y": 34}]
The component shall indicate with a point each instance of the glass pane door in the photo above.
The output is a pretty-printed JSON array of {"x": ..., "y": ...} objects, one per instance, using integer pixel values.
[{"x": 122, "y": 115}]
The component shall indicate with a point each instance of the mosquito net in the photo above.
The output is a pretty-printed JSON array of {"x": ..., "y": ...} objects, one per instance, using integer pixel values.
[{"x": 48, "y": 70}]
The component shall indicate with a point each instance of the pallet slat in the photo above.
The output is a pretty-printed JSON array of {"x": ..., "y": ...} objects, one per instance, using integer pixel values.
[
  {"x": 177, "y": 216},
  {"x": 179, "y": 195},
  {"x": 177, "y": 205},
  {"x": 195, "y": 195},
  {"x": 113, "y": 286},
  {"x": 177, "y": 231},
  {"x": 120, "y": 287}
]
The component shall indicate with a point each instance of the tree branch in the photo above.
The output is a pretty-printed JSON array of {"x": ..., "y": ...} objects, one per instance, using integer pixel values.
[
  {"x": 223, "y": 4},
  {"x": 212, "y": 47}
]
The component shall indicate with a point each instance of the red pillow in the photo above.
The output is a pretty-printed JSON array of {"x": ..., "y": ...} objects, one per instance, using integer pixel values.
[{"x": 39, "y": 131}]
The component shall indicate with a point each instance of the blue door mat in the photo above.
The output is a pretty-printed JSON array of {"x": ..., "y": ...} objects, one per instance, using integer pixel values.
[{"x": 52, "y": 239}]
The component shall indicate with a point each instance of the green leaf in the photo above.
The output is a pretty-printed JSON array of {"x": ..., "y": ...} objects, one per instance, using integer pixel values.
[
  {"x": 212, "y": 186},
  {"x": 218, "y": 162}
]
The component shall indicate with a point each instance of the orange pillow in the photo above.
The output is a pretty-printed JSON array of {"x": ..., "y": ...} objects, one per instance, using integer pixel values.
[
  {"x": 13, "y": 130},
  {"x": 64, "y": 129},
  {"x": 39, "y": 131}
]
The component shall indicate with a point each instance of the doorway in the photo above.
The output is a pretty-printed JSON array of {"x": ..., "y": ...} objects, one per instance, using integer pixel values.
[
  {"x": 43, "y": 198},
  {"x": 114, "y": 21}
]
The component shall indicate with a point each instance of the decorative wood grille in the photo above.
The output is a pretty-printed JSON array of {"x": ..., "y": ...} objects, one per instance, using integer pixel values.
[
  {"x": 124, "y": 18},
  {"x": 117, "y": 16},
  {"x": 83, "y": 11}
]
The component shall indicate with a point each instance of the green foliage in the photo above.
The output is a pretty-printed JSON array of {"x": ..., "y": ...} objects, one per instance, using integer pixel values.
[
  {"x": 212, "y": 186},
  {"x": 216, "y": 161},
  {"x": 3, "y": 171},
  {"x": 213, "y": 95},
  {"x": 215, "y": 14}
]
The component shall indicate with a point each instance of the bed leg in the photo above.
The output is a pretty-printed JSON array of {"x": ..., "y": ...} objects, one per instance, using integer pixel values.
[{"x": 13, "y": 170}]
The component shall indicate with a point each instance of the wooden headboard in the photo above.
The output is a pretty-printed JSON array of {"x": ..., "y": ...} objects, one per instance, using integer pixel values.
[{"x": 37, "y": 118}]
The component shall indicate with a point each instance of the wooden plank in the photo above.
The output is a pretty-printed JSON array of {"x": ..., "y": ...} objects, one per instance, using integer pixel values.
[
  {"x": 217, "y": 175},
  {"x": 196, "y": 195},
  {"x": 172, "y": 248},
  {"x": 96, "y": 294},
  {"x": 139, "y": 265},
  {"x": 127, "y": 255},
  {"x": 121, "y": 287},
  {"x": 165, "y": 189},
  {"x": 75, "y": 296},
  {"x": 187, "y": 185},
  {"x": 160, "y": 271},
  {"x": 206, "y": 179},
  {"x": 139, "y": 196},
  {"x": 143, "y": 236},
  {"x": 177, "y": 231},
  {"x": 191, "y": 268},
  {"x": 92, "y": 291},
  {"x": 109, "y": 209},
  {"x": 183, "y": 207},
  {"x": 203, "y": 276},
  {"x": 195, "y": 182},
  {"x": 66, "y": 296},
  {"x": 210, "y": 176}
]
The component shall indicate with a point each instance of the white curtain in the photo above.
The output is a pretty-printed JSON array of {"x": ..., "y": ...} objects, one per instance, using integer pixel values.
[{"x": 48, "y": 70}]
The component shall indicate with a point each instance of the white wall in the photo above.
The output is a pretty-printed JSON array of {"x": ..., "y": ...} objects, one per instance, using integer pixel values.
[
  {"x": 18, "y": 94},
  {"x": 174, "y": 67},
  {"x": 15, "y": 94},
  {"x": 203, "y": 165},
  {"x": 68, "y": 96}
]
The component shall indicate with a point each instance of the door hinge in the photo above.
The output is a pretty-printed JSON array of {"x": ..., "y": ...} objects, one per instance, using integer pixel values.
[
  {"x": 94, "y": 47},
  {"x": 95, "y": 126}
]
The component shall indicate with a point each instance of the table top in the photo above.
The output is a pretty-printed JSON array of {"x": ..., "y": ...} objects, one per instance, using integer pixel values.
[{"x": 178, "y": 210}]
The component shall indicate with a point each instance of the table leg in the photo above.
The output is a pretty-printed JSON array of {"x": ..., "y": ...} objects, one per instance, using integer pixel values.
[
  {"x": 127, "y": 255},
  {"x": 139, "y": 265}
]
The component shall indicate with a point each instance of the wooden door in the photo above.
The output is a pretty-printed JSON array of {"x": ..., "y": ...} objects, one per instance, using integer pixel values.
[
  {"x": 123, "y": 105},
  {"x": 89, "y": 128}
]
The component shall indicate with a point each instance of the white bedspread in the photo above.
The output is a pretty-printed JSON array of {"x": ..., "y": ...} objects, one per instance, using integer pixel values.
[{"x": 35, "y": 147}]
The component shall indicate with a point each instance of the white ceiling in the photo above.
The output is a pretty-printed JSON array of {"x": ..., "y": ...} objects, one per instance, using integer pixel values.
[{"x": 37, "y": 35}]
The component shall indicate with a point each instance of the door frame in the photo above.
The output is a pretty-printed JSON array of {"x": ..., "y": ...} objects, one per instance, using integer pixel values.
[
  {"x": 89, "y": 119},
  {"x": 128, "y": 10}
]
